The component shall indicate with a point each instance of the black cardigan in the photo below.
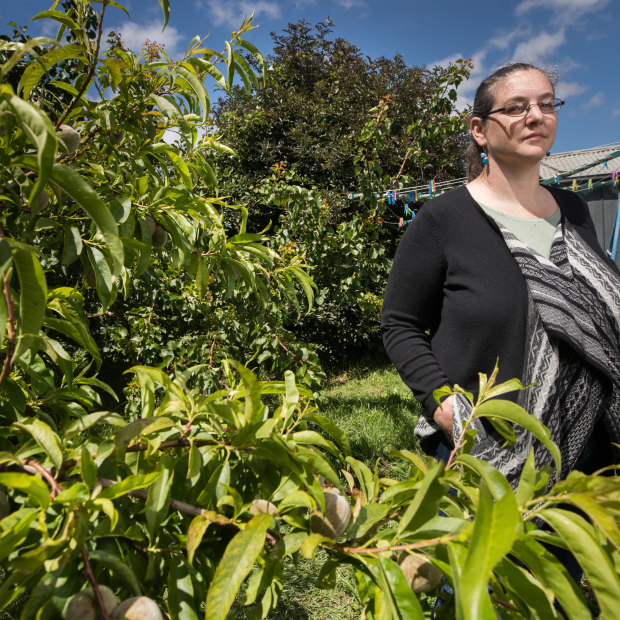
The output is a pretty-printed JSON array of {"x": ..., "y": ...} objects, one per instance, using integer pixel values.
[{"x": 454, "y": 276}]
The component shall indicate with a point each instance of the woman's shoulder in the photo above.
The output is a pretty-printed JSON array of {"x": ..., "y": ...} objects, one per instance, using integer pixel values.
[
  {"x": 572, "y": 205},
  {"x": 447, "y": 205}
]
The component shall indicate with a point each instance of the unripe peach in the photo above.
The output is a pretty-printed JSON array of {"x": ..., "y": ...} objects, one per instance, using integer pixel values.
[
  {"x": 159, "y": 237},
  {"x": 69, "y": 136},
  {"x": 151, "y": 224},
  {"x": 42, "y": 200},
  {"x": 83, "y": 605},
  {"x": 421, "y": 574},
  {"x": 262, "y": 506},
  {"x": 336, "y": 518},
  {"x": 137, "y": 608}
]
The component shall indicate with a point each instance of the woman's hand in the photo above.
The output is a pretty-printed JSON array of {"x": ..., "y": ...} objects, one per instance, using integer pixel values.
[{"x": 443, "y": 417}]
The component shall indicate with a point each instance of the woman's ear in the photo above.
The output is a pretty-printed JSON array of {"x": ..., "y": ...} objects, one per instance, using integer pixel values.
[{"x": 476, "y": 126}]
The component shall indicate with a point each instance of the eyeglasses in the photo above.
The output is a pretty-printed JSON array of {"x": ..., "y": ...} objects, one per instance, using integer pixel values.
[{"x": 521, "y": 108}]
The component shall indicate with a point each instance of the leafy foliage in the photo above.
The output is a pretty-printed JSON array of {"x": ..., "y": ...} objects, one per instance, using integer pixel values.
[
  {"x": 307, "y": 139},
  {"x": 161, "y": 501}
]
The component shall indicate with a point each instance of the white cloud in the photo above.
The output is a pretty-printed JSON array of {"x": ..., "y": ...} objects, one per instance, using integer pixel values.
[
  {"x": 596, "y": 101},
  {"x": 540, "y": 46},
  {"x": 616, "y": 112},
  {"x": 573, "y": 7},
  {"x": 504, "y": 39},
  {"x": 134, "y": 35},
  {"x": 569, "y": 89},
  {"x": 352, "y": 4},
  {"x": 445, "y": 62},
  {"x": 231, "y": 13}
]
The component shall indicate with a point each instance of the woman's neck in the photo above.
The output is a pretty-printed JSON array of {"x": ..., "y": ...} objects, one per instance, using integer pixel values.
[{"x": 513, "y": 190}]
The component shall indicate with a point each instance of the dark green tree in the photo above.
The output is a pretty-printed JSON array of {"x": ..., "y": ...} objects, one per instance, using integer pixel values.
[
  {"x": 330, "y": 121},
  {"x": 316, "y": 101}
]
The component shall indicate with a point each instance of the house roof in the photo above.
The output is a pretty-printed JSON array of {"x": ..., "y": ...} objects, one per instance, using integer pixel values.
[{"x": 561, "y": 163}]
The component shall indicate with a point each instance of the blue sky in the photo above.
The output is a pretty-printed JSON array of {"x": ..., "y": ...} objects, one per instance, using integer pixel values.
[{"x": 578, "y": 39}]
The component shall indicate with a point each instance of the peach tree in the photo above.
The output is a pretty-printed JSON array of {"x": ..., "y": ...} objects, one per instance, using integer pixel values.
[{"x": 191, "y": 502}]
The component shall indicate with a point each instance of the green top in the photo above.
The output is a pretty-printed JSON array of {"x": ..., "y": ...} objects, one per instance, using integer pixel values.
[{"x": 537, "y": 233}]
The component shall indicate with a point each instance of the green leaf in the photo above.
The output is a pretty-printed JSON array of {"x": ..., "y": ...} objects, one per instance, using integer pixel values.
[
  {"x": 195, "y": 532},
  {"x": 552, "y": 574},
  {"x": 199, "y": 88},
  {"x": 32, "y": 298},
  {"x": 365, "y": 478},
  {"x": 39, "y": 130},
  {"x": 77, "y": 189},
  {"x": 581, "y": 539},
  {"x": 170, "y": 110},
  {"x": 536, "y": 599},
  {"x": 158, "y": 500},
  {"x": 120, "y": 569},
  {"x": 20, "y": 50},
  {"x": 72, "y": 246},
  {"x": 77, "y": 329},
  {"x": 88, "y": 469},
  {"x": 495, "y": 529},
  {"x": 252, "y": 398},
  {"x": 527, "y": 482},
  {"x": 31, "y": 485},
  {"x": 36, "y": 70},
  {"x": 235, "y": 565},
  {"x": 58, "y": 16},
  {"x": 328, "y": 426},
  {"x": 106, "y": 290},
  {"x": 16, "y": 531},
  {"x": 510, "y": 411},
  {"x": 425, "y": 504},
  {"x": 398, "y": 598},
  {"x": 138, "y": 481},
  {"x": 45, "y": 437},
  {"x": 311, "y": 543},
  {"x": 165, "y": 7},
  {"x": 182, "y": 169},
  {"x": 494, "y": 480},
  {"x": 181, "y": 590}
]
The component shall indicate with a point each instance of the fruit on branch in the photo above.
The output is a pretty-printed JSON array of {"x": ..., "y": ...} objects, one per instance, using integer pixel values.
[
  {"x": 69, "y": 136},
  {"x": 421, "y": 574},
  {"x": 159, "y": 237},
  {"x": 83, "y": 605},
  {"x": 336, "y": 518},
  {"x": 5, "y": 507},
  {"x": 137, "y": 608},
  {"x": 42, "y": 200},
  {"x": 151, "y": 224},
  {"x": 262, "y": 506}
]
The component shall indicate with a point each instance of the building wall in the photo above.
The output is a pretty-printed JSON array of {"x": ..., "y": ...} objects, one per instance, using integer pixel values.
[{"x": 603, "y": 204}]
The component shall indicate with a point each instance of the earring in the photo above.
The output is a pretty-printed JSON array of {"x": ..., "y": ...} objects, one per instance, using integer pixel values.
[
  {"x": 548, "y": 153},
  {"x": 484, "y": 158}
]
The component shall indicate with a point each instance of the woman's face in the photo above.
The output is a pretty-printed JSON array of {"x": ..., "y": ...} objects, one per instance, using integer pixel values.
[{"x": 524, "y": 138}]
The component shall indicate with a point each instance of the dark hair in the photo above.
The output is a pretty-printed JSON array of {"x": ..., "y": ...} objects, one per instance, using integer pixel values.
[{"x": 483, "y": 104}]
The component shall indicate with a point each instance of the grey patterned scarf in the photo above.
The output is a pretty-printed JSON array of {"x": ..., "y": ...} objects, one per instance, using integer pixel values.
[{"x": 572, "y": 354}]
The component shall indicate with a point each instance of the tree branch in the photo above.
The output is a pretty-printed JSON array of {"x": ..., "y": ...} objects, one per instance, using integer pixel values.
[
  {"x": 6, "y": 281},
  {"x": 190, "y": 510},
  {"x": 95, "y": 585},
  {"x": 91, "y": 69}
]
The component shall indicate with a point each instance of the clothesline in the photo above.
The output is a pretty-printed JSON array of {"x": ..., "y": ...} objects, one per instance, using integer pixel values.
[{"x": 433, "y": 188}]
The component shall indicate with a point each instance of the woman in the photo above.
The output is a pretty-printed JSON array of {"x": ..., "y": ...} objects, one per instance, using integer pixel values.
[{"x": 507, "y": 270}]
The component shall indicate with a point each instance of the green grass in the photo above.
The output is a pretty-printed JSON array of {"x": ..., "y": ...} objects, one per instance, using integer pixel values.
[{"x": 378, "y": 414}]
